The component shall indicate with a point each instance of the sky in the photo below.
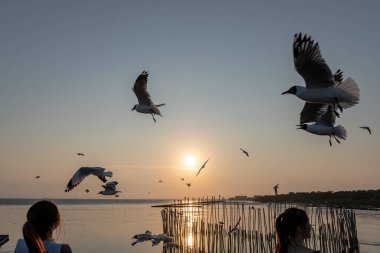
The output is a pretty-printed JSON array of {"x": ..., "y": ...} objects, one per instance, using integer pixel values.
[{"x": 67, "y": 69}]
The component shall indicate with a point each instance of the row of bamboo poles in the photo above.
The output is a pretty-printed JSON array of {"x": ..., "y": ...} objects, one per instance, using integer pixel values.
[{"x": 202, "y": 226}]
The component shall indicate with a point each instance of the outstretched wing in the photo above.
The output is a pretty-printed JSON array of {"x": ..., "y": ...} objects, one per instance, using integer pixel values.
[
  {"x": 327, "y": 119},
  {"x": 311, "y": 112},
  {"x": 141, "y": 89},
  {"x": 81, "y": 174},
  {"x": 310, "y": 64}
]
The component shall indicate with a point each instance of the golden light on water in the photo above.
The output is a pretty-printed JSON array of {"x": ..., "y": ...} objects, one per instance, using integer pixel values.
[{"x": 190, "y": 240}]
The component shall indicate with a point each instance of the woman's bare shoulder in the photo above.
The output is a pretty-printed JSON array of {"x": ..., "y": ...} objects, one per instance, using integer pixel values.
[{"x": 66, "y": 248}]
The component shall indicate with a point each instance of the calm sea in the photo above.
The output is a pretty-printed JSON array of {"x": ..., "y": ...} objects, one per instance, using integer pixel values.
[{"x": 99, "y": 226}]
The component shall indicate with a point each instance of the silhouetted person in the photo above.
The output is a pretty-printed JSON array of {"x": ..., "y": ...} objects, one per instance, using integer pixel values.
[
  {"x": 293, "y": 227},
  {"x": 42, "y": 219}
]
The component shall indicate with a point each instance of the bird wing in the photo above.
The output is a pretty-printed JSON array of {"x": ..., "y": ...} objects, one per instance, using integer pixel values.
[
  {"x": 199, "y": 171},
  {"x": 327, "y": 119},
  {"x": 235, "y": 227},
  {"x": 310, "y": 64},
  {"x": 311, "y": 112},
  {"x": 338, "y": 77},
  {"x": 141, "y": 89},
  {"x": 81, "y": 174}
]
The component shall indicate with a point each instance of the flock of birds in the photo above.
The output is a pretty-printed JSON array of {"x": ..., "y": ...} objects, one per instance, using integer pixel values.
[{"x": 326, "y": 95}]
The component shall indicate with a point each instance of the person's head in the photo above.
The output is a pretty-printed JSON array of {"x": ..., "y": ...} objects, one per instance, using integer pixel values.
[
  {"x": 292, "y": 223},
  {"x": 42, "y": 219}
]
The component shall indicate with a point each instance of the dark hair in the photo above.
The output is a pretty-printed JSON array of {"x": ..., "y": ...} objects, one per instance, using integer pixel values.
[
  {"x": 42, "y": 218},
  {"x": 286, "y": 227}
]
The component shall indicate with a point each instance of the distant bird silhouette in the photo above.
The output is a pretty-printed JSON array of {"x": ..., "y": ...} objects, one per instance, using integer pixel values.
[
  {"x": 188, "y": 184},
  {"x": 275, "y": 189},
  {"x": 80, "y": 154},
  {"x": 182, "y": 178},
  {"x": 37, "y": 176},
  {"x": 245, "y": 152},
  {"x": 366, "y": 128},
  {"x": 145, "y": 104},
  {"x": 109, "y": 188},
  {"x": 202, "y": 167},
  {"x": 235, "y": 228},
  {"x": 87, "y": 190},
  {"x": 160, "y": 181},
  {"x": 321, "y": 86},
  {"x": 83, "y": 172}
]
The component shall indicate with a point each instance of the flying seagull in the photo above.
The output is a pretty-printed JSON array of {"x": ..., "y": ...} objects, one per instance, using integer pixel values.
[
  {"x": 245, "y": 152},
  {"x": 142, "y": 237},
  {"x": 80, "y": 154},
  {"x": 182, "y": 178},
  {"x": 203, "y": 166},
  {"x": 325, "y": 126},
  {"x": 37, "y": 177},
  {"x": 311, "y": 112},
  {"x": 87, "y": 190},
  {"x": 145, "y": 104},
  {"x": 275, "y": 189},
  {"x": 83, "y": 172},
  {"x": 321, "y": 87},
  {"x": 366, "y": 128},
  {"x": 188, "y": 184},
  {"x": 109, "y": 188}
]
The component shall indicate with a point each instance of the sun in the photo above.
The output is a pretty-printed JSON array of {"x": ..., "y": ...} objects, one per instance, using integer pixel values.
[{"x": 190, "y": 161}]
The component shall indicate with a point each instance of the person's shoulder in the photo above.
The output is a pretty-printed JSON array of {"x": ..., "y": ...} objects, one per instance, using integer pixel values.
[{"x": 65, "y": 248}]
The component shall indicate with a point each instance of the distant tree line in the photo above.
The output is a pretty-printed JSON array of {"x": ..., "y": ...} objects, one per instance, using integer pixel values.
[{"x": 362, "y": 199}]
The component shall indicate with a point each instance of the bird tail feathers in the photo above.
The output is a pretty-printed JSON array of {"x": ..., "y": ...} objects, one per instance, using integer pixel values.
[
  {"x": 351, "y": 88},
  {"x": 340, "y": 132}
]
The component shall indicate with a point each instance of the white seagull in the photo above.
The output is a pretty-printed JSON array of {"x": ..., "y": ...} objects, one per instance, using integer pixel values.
[
  {"x": 321, "y": 87},
  {"x": 326, "y": 126},
  {"x": 83, "y": 172},
  {"x": 145, "y": 104},
  {"x": 109, "y": 188}
]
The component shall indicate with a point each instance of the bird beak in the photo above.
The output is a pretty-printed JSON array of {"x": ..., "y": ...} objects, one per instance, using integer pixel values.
[
  {"x": 285, "y": 92},
  {"x": 132, "y": 109},
  {"x": 299, "y": 126}
]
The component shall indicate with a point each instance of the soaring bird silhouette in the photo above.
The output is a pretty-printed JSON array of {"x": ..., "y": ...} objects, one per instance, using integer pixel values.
[
  {"x": 366, "y": 128},
  {"x": 235, "y": 228},
  {"x": 203, "y": 166},
  {"x": 275, "y": 189},
  {"x": 145, "y": 104},
  {"x": 160, "y": 181},
  {"x": 245, "y": 152},
  {"x": 87, "y": 190},
  {"x": 80, "y": 154},
  {"x": 37, "y": 177},
  {"x": 83, "y": 172},
  {"x": 321, "y": 87},
  {"x": 188, "y": 184}
]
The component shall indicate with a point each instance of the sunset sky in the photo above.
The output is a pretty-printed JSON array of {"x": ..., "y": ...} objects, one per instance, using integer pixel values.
[{"x": 67, "y": 69}]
